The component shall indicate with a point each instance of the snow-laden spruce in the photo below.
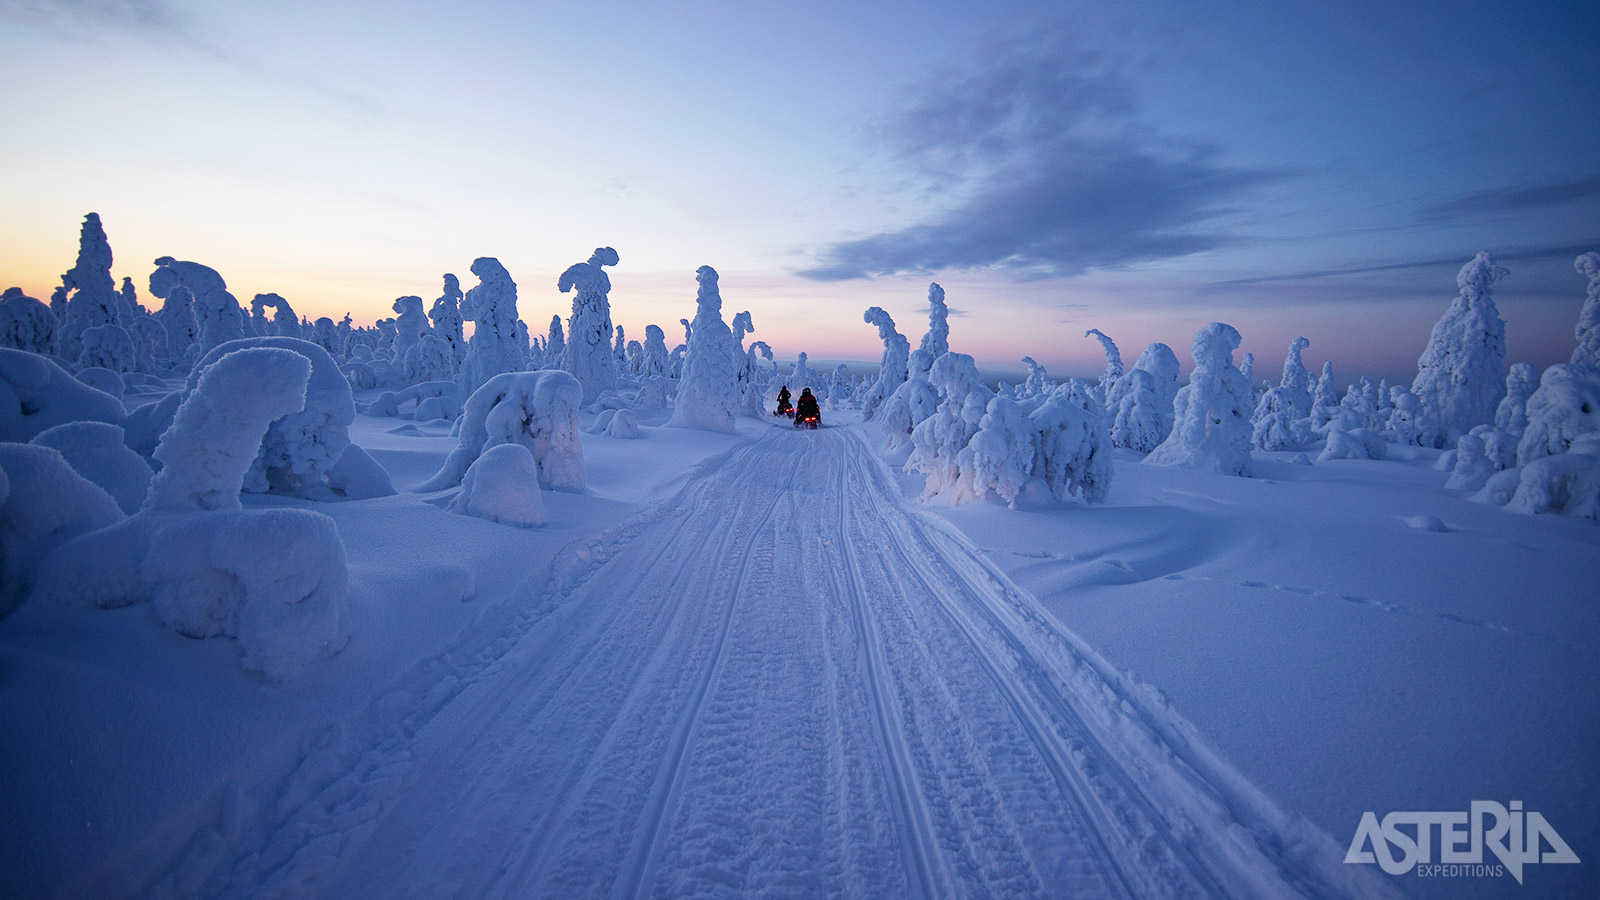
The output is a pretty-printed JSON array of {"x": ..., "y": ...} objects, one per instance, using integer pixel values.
[
  {"x": 300, "y": 448},
  {"x": 1324, "y": 398},
  {"x": 910, "y": 404},
  {"x": 1113, "y": 369},
  {"x": 410, "y": 324},
  {"x": 26, "y": 323},
  {"x": 1511, "y": 416},
  {"x": 502, "y": 485},
  {"x": 588, "y": 354},
  {"x": 936, "y": 342},
  {"x": 538, "y": 410},
  {"x": 1408, "y": 422},
  {"x": 1140, "y": 402},
  {"x": 445, "y": 314},
  {"x": 492, "y": 305},
  {"x": 1211, "y": 414},
  {"x": 708, "y": 393},
  {"x": 1461, "y": 374},
  {"x": 1587, "y": 331},
  {"x": 1038, "y": 382},
  {"x": 938, "y": 442},
  {"x": 217, "y": 313},
  {"x": 1061, "y": 442},
  {"x": 93, "y": 300},
  {"x": 1282, "y": 417},
  {"x": 36, "y": 394},
  {"x": 1558, "y": 458},
  {"x": 893, "y": 369}
]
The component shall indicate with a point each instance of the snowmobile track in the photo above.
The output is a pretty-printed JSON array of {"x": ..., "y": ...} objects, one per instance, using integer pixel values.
[{"x": 783, "y": 682}]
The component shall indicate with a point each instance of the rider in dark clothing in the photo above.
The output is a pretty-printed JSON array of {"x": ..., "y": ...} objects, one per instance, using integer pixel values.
[
  {"x": 783, "y": 401},
  {"x": 807, "y": 408}
]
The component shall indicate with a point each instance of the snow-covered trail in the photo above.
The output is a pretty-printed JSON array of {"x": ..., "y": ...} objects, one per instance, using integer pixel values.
[{"x": 785, "y": 683}]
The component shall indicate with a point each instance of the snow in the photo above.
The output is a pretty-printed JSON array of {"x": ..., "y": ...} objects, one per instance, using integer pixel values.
[
  {"x": 275, "y": 579},
  {"x": 26, "y": 323},
  {"x": 502, "y": 485},
  {"x": 752, "y": 662},
  {"x": 36, "y": 394},
  {"x": 44, "y": 504},
  {"x": 96, "y": 450},
  {"x": 708, "y": 392},
  {"x": 217, "y": 314}
]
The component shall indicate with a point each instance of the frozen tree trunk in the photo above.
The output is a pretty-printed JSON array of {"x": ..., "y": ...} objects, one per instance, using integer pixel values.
[{"x": 1461, "y": 374}]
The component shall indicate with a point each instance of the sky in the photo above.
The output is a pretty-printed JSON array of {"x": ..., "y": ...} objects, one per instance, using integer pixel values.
[{"x": 1292, "y": 169}]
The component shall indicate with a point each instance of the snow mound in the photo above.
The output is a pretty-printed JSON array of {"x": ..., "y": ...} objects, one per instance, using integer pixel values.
[
  {"x": 43, "y": 503},
  {"x": 538, "y": 410},
  {"x": 624, "y": 425},
  {"x": 274, "y": 578},
  {"x": 36, "y": 394},
  {"x": 502, "y": 486},
  {"x": 96, "y": 451}
]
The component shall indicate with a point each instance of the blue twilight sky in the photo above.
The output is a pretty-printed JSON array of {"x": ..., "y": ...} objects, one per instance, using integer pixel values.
[{"x": 1315, "y": 169}]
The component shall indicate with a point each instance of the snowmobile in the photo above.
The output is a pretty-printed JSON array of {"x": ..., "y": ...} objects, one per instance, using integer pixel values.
[
  {"x": 784, "y": 409},
  {"x": 807, "y": 415}
]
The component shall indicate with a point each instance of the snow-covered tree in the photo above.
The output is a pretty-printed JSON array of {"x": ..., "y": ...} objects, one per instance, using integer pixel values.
[
  {"x": 1113, "y": 369},
  {"x": 1558, "y": 458},
  {"x": 656, "y": 360},
  {"x": 107, "y": 347},
  {"x": 1282, "y": 417},
  {"x": 1325, "y": 399},
  {"x": 94, "y": 300},
  {"x": 538, "y": 410},
  {"x": 1211, "y": 415},
  {"x": 25, "y": 323},
  {"x": 938, "y": 441},
  {"x": 1141, "y": 404},
  {"x": 300, "y": 449},
  {"x": 446, "y": 317},
  {"x": 217, "y": 313},
  {"x": 1038, "y": 382},
  {"x": 1071, "y": 449},
  {"x": 555, "y": 344},
  {"x": 1511, "y": 416},
  {"x": 429, "y": 359},
  {"x": 1349, "y": 438},
  {"x": 99, "y": 452},
  {"x": 1587, "y": 353},
  {"x": 937, "y": 340},
  {"x": 1461, "y": 375},
  {"x": 410, "y": 324},
  {"x": 1409, "y": 423},
  {"x": 494, "y": 348},
  {"x": 588, "y": 354},
  {"x": 838, "y": 387},
  {"x": 1002, "y": 451},
  {"x": 892, "y": 369},
  {"x": 708, "y": 394},
  {"x": 910, "y": 404}
]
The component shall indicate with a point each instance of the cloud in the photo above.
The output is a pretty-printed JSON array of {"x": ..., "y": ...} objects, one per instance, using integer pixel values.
[
  {"x": 171, "y": 28},
  {"x": 99, "y": 20},
  {"x": 1510, "y": 200},
  {"x": 1034, "y": 164},
  {"x": 1515, "y": 254}
]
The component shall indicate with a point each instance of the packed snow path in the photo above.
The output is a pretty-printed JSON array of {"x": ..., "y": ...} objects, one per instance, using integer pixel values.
[{"x": 782, "y": 683}]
